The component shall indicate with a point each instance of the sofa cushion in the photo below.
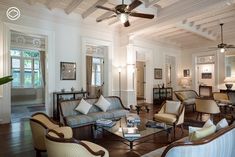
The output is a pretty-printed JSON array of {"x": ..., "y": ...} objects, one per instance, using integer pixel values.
[
  {"x": 83, "y": 107},
  {"x": 172, "y": 107},
  {"x": 100, "y": 115},
  {"x": 79, "y": 120},
  {"x": 221, "y": 124},
  {"x": 118, "y": 113},
  {"x": 164, "y": 117},
  {"x": 201, "y": 133},
  {"x": 102, "y": 103},
  {"x": 180, "y": 96}
]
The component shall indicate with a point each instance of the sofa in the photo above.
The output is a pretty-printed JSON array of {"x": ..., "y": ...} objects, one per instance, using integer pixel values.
[
  {"x": 187, "y": 97},
  {"x": 75, "y": 119},
  {"x": 219, "y": 144}
]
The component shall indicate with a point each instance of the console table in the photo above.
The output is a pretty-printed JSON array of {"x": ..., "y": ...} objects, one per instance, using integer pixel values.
[
  {"x": 58, "y": 96},
  {"x": 161, "y": 94}
]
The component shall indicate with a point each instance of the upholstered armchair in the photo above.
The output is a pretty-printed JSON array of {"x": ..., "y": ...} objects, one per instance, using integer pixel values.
[
  {"x": 206, "y": 106},
  {"x": 39, "y": 123},
  {"x": 171, "y": 113},
  {"x": 187, "y": 97},
  {"x": 58, "y": 146}
]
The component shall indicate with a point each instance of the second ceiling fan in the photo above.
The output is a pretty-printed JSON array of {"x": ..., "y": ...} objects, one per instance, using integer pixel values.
[{"x": 123, "y": 11}]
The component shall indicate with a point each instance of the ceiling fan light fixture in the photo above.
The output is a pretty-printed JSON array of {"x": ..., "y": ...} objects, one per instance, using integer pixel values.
[
  {"x": 222, "y": 50},
  {"x": 123, "y": 17}
]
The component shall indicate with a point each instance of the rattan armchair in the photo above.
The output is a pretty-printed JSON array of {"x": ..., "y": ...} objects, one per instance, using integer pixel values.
[
  {"x": 58, "y": 146},
  {"x": 206, "y": 106},
  {"x": 39, "y": 123}
]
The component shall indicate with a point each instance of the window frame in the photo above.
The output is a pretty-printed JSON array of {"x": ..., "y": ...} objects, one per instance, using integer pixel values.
[{"x": 22, "y": 68}]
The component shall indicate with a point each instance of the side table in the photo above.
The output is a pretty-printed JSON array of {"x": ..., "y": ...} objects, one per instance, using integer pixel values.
[{"x": 140, "y": 107}]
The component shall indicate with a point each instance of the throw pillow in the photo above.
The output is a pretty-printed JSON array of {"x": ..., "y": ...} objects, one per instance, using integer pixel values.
[
  {"x": 208, "y": 123},
  {"x": 172, "y": 107},
  {"x": 221, "y": 124},
  {"x": 180, "y": 96},
  {"x": 102, "y": 103},
  {"x": 83, "y": 107},
  {"x": 201, "y": 133}
]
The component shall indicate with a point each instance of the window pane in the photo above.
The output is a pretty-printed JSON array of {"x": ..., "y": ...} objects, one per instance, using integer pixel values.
[
  {"x": 27, "y": 78},
  {"x": 98, "y": 79},
  {"x": 37, "y": 78},
  {"x": 36, "y": 64},
  {"x": 15, "y": 53},
  {"x": 97, "y": 68},
  {"x": 27, "y": 63},
  {"x": 93, "y": 79},
  {"x": 96, "y": 60},
  {"x": 28, "y": 53},
  {"x": 15, "y": 63},
  {"x": 16, "y": 76}
]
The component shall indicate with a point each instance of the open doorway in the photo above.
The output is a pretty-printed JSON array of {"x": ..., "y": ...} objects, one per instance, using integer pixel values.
[
  {"x": 140, "y": 80},
  {"x": 27, "y": 54}
]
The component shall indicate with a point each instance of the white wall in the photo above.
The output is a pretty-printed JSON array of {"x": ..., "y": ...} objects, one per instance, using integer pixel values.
[{"x": 67, "y": 31}]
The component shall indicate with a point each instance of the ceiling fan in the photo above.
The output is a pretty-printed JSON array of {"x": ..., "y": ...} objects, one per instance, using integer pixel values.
[
  {"x": 123, "y": 11},
  {"x": 222, "y": 46}
]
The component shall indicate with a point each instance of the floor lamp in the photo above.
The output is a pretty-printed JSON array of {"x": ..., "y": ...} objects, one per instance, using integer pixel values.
[{"x": 119, "y": 79}]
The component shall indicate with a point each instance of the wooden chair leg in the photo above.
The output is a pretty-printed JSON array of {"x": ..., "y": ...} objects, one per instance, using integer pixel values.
[
  {"x": 38, "y": 153},
  {"x": 197, "y": 116},
  {"x": 182, "y": 129},
  {"x": 174, "y": 130}
]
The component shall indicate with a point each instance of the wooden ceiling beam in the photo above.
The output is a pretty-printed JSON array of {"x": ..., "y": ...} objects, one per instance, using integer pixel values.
[
  {"x": 148, "y": 3},
  {"x": 93, "y": 8},
  {"x": 172, "y": 14},
  {"x": 190, "y": 27},
  {"x": 72, "y": 6},
  {"x": 31, "y": 2},
  {"x": 171, "y": 34},
  {"x": 51, "y": 4}
]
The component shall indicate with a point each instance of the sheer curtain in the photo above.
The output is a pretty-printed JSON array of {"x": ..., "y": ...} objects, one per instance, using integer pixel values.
[{"x": 89, "y": 73}]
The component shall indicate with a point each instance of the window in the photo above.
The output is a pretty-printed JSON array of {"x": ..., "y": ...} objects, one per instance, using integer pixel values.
[
  {"x": 97, "y": 71},
  {"x": 25, "y": 66}
]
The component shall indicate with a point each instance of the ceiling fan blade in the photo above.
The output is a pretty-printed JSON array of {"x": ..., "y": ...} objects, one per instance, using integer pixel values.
[
  {"x": 148, "y": 16},
  {"x": 105, "y": 18},
  {"x": 133, "y": 5},
  {"x": 127, "y": 24},
  {"x": 230, "y": 46},
  {"x": 105, "y": 8}
]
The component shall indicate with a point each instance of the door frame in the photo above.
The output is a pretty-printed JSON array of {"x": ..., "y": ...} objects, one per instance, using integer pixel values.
[
  {"x": 49, "y": 58},
  {"x": 107, "y": 58}
]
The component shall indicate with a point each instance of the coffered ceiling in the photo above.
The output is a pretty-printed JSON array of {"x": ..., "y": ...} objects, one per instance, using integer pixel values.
[{"x": 187, "y": 23}]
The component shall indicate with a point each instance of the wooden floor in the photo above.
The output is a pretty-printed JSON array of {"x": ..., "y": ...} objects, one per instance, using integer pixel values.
[{"x": 16, "y": 140}]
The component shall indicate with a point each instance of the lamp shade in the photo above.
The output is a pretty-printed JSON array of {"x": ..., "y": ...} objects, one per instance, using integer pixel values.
[{"x": 185, "y": 82}]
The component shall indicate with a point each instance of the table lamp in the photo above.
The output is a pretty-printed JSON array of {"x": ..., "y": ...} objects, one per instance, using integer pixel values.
[
  {"x": 229, "y": 82},
  {"x": 185, "y": 82}
]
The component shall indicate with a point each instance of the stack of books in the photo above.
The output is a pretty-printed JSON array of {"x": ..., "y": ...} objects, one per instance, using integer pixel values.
[
  {"x": 105, "y": 122},
  {"x": 132, "y": 119},
  {"x": 131, "y": 132}
]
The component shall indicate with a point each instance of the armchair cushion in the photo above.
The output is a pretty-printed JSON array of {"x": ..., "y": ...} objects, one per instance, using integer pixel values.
[
  {"x": 164, "y": 117},
  {"x": 172, "y": 107}
]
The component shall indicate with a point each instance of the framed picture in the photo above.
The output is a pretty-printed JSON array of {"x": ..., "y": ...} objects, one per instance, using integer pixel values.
[
  {"x": 206, "y": 75},
  {"x": 186, "y": 73},
  {"x": 157, "y": 73},
  {"x": 67, "y": 71}
]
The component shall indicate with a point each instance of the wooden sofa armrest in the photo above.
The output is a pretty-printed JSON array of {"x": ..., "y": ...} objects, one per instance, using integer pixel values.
[{"x": 198, "y": 142}]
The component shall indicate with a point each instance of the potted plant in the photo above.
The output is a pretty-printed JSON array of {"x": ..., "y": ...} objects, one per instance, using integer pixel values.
[{"x": 5, "y": 79}]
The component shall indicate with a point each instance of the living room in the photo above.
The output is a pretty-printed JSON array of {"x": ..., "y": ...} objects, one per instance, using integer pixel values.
[{"x": 178, "y": 47}]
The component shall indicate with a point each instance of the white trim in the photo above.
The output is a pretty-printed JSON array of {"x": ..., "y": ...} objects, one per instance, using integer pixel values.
[{"x": 49, "y": 58}]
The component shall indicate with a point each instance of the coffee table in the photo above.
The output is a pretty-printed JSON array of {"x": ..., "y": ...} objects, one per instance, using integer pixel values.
[{"x": 144, "y": 131}]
